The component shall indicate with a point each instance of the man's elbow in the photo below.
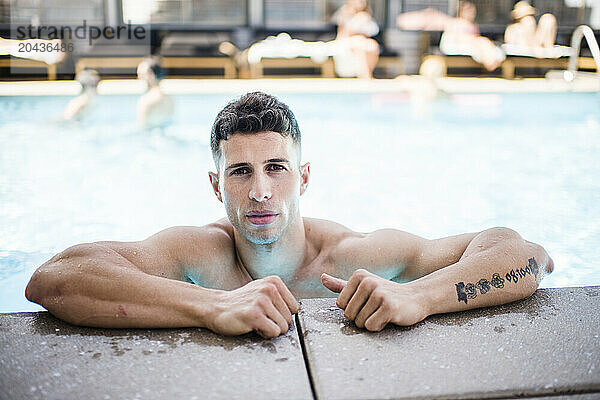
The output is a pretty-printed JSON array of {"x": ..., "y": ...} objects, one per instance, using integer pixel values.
[
  {"x": 43, "y": 285},
  {"x": 36, "y": 287},
  {"x": 520, "y": 246},
  {"x": 542, "y": 257},
  {"x": 47, "y": 281}
]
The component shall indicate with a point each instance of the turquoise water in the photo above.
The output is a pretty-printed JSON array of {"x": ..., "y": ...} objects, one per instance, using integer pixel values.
[{"x": 464, "y": 163}]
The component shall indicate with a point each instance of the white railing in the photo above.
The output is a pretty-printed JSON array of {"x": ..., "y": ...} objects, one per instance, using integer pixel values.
[{"x": 580, "y": 32}]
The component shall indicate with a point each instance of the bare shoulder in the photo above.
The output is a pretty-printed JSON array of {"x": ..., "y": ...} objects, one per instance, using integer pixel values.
[
  {"x": 191, "y": 244},
  {"x": 169, "y": 251},
  {"x": 326, "y": 234},
  {"x": 386, "y": 252},
  {"x": 331, "y": 240}
]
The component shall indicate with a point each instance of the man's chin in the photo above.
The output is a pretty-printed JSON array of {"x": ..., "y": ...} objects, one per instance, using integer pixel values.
[
  {"x": 262, "y": 235},
  {"x": 262, "y": 241}
]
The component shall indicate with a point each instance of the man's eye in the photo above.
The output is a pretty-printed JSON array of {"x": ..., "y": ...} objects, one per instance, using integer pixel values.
[
  {"x": 275, "y": 167},
  {"x": 240, "y": 171}
]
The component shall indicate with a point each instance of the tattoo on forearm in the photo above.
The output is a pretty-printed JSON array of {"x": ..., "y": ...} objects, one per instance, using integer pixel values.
[{"x": 469, "y": 290}]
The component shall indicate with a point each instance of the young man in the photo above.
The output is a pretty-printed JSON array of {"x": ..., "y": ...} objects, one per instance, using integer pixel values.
[{"x": 245, "y": 272}]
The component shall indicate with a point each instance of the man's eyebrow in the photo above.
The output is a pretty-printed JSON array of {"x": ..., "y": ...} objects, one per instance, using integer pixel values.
[
  {"x": 279, "y": 160},
  {"x": 242, "y": 164}
]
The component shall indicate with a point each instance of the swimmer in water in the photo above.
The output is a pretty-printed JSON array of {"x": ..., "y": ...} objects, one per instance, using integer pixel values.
[
  {"x": 83, "y": 104},
  {"x": 154, "y": 108},
  {"x": 245, "y": 272}
]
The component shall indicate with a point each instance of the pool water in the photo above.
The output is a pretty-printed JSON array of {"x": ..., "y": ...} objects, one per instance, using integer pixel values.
[{"x": 462, "y": 163}]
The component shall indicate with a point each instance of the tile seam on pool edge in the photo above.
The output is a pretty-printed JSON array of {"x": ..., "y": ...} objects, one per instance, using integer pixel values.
[{"x": 300, "y": 331}]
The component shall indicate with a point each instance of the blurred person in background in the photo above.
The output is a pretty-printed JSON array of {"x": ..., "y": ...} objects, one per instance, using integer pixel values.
[
  {"x": 83, "y": 104},
  {"x": 356, "y": 53},
  {"x": 460, "y": 35},
  {"x": 526, "y": 32},
  {"x": 154, "y": 108}
]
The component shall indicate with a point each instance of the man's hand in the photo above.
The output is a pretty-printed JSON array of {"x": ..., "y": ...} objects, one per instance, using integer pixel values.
[
  {"x": 265, "y": 305},
  {"x": 371, "y": 301}
]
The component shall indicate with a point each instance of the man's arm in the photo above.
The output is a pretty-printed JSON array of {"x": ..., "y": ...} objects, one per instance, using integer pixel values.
[
  {"x": 497, "y": 266},
  {"x": 140, "y": 285}
]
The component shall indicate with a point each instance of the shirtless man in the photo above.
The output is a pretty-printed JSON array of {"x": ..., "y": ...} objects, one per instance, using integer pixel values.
[
  {"x": 83, "y": 104},
  {"x": 244, "y": 273}
]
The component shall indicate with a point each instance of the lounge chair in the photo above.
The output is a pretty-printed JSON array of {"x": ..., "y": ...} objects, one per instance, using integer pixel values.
[{"x": 14, "y": 62}]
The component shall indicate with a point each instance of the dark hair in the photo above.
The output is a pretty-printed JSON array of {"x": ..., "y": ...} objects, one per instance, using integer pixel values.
[
  {"x": 157, "y": 70},
  {"x": 153, "y": 63},
  {"x": 252, "y": 113}
]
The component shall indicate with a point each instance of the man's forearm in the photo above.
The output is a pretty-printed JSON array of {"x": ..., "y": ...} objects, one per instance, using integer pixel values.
[
  {"x": 498, "y": 267},
  {"x": 95, "y": 286}
]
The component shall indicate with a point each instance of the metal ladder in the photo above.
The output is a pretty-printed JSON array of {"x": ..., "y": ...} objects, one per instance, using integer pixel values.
[{"x": 580, "y": 32}]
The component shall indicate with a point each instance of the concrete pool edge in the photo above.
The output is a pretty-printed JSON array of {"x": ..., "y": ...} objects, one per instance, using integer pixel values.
[
  {"x": 305, "y": 85},
  {"x": 33, "y": 340}
]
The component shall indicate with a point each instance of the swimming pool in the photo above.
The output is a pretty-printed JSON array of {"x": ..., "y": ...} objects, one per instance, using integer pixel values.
[{"x": 462, "y": 163}]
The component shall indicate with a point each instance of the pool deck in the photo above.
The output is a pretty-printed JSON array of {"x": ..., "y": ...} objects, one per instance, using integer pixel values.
[
  {"x": 546, "y": 346},
  {"x": 307, "y": 85}
]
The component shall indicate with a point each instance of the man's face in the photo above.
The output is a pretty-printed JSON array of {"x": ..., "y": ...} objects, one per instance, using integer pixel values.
[{"x": 260, "y": 181}]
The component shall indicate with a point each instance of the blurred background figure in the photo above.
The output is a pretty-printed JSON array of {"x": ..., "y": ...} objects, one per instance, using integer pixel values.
[
  {"x": 356, "y": 53},
  {"x": 460, "y": 34},
  {"x": 83, "y": 104},
  {"x": 430, "y": 72},
  {"x": 154, "y": 108},
  {"x": 525, "y": 31}
]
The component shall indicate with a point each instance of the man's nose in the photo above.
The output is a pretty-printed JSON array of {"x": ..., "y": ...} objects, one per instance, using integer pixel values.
[{"x": 261, "y": 189}]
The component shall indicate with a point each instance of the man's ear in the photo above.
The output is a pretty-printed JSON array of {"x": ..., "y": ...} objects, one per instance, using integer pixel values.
[
  {"x": 214, "y": 181},
  {"x": 304, "y": 175}
]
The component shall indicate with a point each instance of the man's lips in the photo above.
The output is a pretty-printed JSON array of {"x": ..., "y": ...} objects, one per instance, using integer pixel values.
[{"x": 261, "y": 217}]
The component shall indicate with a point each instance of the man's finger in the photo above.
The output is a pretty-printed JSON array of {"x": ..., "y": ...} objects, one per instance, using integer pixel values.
[
  {"x": 274, "y": 315},
  {"x": 332, "y": 283},
  {"x": 367, "y": 310},
  {"x": 358, "y": 300},
  {"x": 347, "y": 293},
  {"x": 378, "y": 320},
  {"x": 267, "y": 328},
  {"x": 288, "y": 297},
  {"x": 282, "y": 307}
]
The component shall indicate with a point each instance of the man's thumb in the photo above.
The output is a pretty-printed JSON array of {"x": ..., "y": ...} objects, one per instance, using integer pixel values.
[{"x": 334, "y": 284}]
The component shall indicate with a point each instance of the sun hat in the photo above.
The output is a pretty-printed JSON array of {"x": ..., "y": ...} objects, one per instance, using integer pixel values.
[{"x": 522, "y": 9}]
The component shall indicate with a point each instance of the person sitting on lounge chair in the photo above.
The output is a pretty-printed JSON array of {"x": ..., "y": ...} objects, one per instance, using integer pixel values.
[
  {"x": 461, "y": 34},
  {"x": 356, "y": 52},
  {"x": 154, "y": 109},
  {"x": 526, "y": 32}
]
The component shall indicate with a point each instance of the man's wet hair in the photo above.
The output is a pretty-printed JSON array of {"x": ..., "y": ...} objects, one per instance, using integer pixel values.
[
  {"x": 88, "y": 79},
  {"x": 157, "y": 69},
  {"x": 252, "y": 113}
]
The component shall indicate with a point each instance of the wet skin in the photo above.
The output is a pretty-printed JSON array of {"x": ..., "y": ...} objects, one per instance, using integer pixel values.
[{"x": 246, "y": 272}]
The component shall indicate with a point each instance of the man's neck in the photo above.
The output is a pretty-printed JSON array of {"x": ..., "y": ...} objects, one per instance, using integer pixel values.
[{"x": 283, "y": 257}]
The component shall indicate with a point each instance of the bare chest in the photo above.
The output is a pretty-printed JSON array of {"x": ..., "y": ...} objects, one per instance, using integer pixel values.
[{"x": 230, "y": 275}]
